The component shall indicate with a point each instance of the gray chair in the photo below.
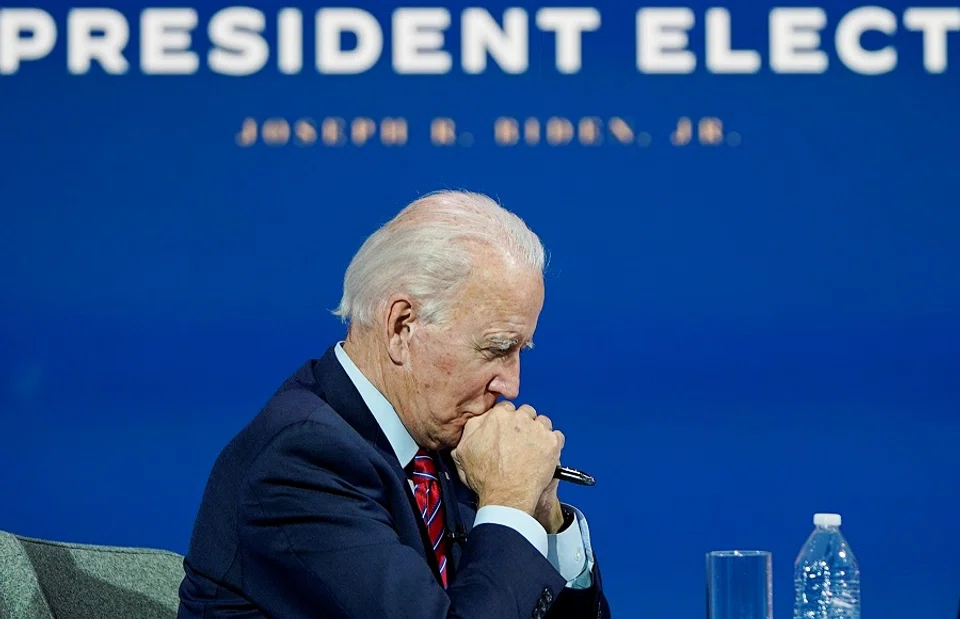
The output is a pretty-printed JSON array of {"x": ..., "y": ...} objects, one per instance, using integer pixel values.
[{"x": 42, "y": 579}]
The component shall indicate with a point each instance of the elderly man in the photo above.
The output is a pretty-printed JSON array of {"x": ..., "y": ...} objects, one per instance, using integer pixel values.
[{"x": 384, "y": 479}]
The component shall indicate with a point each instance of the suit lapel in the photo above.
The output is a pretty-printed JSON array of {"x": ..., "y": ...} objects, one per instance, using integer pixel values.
[
  {"x": 335, "y": 387},
  {"x": 460, "y": 507}
]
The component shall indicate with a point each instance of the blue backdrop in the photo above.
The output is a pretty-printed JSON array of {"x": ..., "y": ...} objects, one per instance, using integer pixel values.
[{"x": 736, "y": 334}]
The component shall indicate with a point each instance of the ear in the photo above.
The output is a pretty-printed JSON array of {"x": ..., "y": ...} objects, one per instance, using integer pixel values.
[{"x": 399, "y": 325}]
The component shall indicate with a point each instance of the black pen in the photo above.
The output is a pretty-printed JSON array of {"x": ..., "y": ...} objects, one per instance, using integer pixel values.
[{"x": 565, "y": 473}]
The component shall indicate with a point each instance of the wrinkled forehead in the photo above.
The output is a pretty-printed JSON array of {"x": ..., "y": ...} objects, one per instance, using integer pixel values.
[{"x": 509, "y": 299}]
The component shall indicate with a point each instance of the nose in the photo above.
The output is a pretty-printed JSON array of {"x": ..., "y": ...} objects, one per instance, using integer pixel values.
[{"x": 506, "y": 383}]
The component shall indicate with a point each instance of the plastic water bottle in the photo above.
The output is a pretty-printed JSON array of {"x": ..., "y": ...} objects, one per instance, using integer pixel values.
[{"x": 826, "y": 574}]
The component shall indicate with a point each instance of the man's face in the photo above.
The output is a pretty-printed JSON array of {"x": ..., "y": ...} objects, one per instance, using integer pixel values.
[{"x": 459, "y": 370}]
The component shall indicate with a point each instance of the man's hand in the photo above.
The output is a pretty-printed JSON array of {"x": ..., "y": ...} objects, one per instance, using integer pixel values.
[
  {"x": 548, "y": 512},
  {"x": 508, "y": 456}
]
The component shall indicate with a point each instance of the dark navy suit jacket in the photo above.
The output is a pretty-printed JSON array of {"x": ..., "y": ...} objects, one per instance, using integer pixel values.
[{"x": 308, "y": 513}]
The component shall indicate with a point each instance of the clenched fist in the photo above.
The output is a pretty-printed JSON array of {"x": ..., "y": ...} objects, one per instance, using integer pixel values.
[{"x": 508, "y": 456}]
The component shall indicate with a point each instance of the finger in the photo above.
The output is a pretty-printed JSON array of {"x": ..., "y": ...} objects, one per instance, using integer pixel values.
[
  {"x": 528, "y": 410},
  {"x": 459, "y": 465},
  {"x": 506, "y": 405},
  {"x": 545, "y": 422},
  {"x": 561, "y": 439}
]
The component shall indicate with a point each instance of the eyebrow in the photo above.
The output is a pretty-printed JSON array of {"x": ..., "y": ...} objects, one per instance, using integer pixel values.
[{"x": 508, "y": 343}]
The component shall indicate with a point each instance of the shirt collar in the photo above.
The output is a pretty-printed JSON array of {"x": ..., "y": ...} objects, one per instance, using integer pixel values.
[{"x": 400, "y": 440}]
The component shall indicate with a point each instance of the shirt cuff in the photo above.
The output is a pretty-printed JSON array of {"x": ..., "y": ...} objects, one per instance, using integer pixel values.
[
  {"x": 571, "y": 554},
  {"x": 521, "y": 522}
]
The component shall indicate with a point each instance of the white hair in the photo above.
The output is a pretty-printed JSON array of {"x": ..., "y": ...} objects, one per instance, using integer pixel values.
[{"x": 427, "y": 251}]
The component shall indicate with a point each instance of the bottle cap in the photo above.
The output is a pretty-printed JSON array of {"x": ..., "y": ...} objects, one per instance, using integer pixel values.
[{"x": 827, "y": 520}]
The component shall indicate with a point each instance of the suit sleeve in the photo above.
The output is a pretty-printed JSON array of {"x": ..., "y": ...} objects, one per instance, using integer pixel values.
[
  {"x": 317, "y": 542},
  {"x": 588, "y": 603}
]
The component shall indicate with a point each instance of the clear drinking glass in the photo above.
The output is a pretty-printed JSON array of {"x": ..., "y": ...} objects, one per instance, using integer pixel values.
[{"x": 739, "y": 584}]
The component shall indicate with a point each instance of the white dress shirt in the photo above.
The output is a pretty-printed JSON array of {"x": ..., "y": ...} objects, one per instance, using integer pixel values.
[{"x": 569, "y": 551}]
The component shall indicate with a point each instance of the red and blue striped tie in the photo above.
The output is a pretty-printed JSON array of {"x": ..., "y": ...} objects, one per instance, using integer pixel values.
[{"x": 427, "y": 492}]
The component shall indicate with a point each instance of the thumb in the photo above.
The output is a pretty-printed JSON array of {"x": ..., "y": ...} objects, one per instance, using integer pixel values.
[{"x": 470, "y": 427}]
